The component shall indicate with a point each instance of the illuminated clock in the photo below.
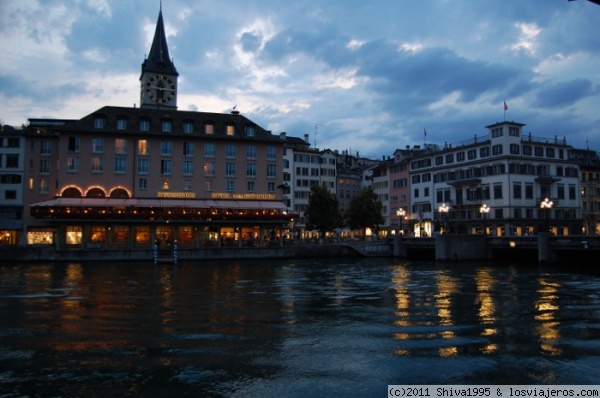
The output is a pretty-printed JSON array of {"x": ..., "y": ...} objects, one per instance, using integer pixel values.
[{"x": 160, "y": 89}]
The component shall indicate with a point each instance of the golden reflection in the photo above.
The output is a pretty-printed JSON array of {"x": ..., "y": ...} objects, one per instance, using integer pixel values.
[
  {"x": 446, "y": 352},
  {"x": 548, "y": 328},
  {"x": 400, "y": 279},
  {"x": 446, "y": 286},
  {"x": 487, "y": 308}
]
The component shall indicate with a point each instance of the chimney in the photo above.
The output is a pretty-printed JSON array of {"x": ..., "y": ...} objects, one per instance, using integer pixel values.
[
  {"x": 282, "y": 135},
  {"x": 306, "y": 139}
]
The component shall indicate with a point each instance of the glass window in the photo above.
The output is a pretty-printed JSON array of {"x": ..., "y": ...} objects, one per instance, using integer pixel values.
[
  {"x": 165, "y": 167},
  {"x": 143, "y": 166},
  {"x": 99, "y": 122},
  {"x": 250, "y": 131},
  {"x": 188, "y": 167},
  {"x": 166, "y": 126},
  {"x": 143, "y": 147},
  {"x": 251, "y": 152},
  {"x": 188, "y": 149},
  {"x": 72, "y": 164},
  {"x": 250, "y": 169},
  {"x": 484, "y": 152},
  {"x": 44, "y": 166},
  {"x": 44, "y": 185},
  {"x": 271, "y": 170},
  {"x": 121, "y": 124},
  {"x": 97, "y": 145},
  {"x": 73, "y": 235},
  {"x": 120, "y": 165},
  {"x": 230, "y": 169},
  {"x": 209, "y": 129},
  {"x": 209, "y": 150},
  {"x": 73, "y": 144},
  {"x": 188, "y": 127},
  {"x": 271, "y": 153},
  {"x": 229, "y": 130},
  {"x": 97, "y": 164},
  {"x": 209, "y": 185},
  {"x": 231, "y": 151},
  {"x": 120, "y": 145},
  {"x": 45, "y": 148},
  {"x": 166, "y": 148},
  {"x": 251, "y": 186},
  {"x": 144, "y": 125},
  {"x": 209, "y": 169},
  {"x": 230, "y": 186},
  {"x": 143, "y": 183}
]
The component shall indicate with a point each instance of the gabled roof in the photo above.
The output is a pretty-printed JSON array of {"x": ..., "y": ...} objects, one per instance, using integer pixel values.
[{"x": 159, "y": 60}]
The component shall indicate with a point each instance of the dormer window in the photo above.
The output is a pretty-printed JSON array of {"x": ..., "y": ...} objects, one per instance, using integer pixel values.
[
  {"x": 99, "y": 122},
  {"x": 209, "y": 129},
  {"x": 166, "y": 126},
  {"x": 188, "y": 127},
  {"x": 144, "y": 125},
  {"x": 250, "y": 131},
  {"x": 121, "y": 124},
  {"x": 229, "y": 129}
]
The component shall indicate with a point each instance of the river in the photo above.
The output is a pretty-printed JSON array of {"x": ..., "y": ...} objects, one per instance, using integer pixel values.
[{"x": 291, "y": 328}]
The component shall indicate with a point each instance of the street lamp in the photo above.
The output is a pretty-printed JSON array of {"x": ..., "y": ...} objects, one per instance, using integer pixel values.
[
  {"x": 443, "y": 210},
  {"x": 400, "y": 213},
  {"x": 546, "y": 206},
  {"x": 484, "y": 210}
]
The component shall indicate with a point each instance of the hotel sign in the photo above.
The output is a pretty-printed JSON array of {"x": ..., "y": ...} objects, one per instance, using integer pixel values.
[
  {"x": 243, "y": 196},
  {"x": 176, "y": 195}
]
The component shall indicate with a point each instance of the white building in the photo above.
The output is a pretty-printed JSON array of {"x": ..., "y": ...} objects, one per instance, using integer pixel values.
[{"x": 509, "y": 172}]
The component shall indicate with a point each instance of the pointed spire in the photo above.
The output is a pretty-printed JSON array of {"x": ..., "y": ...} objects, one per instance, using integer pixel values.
[{"x": 159, "y": 60}]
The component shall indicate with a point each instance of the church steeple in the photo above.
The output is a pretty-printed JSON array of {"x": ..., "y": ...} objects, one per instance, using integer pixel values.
[{"x": 159, "y": 76}]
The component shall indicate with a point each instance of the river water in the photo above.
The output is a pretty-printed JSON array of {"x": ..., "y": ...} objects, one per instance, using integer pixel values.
[{"x": 291, "y": 328}]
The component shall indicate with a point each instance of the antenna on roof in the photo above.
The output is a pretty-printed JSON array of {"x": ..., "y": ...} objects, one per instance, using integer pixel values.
[{"x": 316, "y": 133}]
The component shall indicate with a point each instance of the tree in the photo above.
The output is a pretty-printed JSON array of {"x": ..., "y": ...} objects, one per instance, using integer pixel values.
[
  {"x": 365, "y": 210},
  {"x": 322, "y": 211}
]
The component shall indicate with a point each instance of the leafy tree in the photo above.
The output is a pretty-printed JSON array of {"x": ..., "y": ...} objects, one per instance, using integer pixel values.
[
  {"x": 365, "y": 210},
  {"x": 322, "y": 211}
]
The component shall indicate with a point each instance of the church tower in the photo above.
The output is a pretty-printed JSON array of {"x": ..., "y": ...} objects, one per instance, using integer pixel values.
[{"x": 159, "y": 76}]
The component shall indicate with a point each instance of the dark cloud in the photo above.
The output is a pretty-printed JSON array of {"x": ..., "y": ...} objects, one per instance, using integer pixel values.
[{"x": 566, "y": 93}]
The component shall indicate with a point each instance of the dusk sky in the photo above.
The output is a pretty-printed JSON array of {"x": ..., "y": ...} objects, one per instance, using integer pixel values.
[{"x": 367, "y": 76}]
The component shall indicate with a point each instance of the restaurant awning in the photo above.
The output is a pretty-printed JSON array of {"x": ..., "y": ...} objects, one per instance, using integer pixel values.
[{"x": 162, "y": 203}]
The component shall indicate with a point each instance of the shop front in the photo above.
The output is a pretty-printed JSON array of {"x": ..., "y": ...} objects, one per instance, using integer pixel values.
[{"x": 130, "y": 224}]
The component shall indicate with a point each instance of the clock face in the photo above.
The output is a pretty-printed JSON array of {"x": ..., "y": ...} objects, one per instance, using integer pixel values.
[{"x": 160, "y": 89}]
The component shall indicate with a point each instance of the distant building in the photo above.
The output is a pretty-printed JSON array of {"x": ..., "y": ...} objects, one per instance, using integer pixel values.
[
  {"x": 12, "y": 166},
  {"x": 589, "y": 164}
]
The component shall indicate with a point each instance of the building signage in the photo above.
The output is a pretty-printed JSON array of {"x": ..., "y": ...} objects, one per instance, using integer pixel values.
[
  {"x": 177, "y": 195},
  {"x": 243, "y": 196}
]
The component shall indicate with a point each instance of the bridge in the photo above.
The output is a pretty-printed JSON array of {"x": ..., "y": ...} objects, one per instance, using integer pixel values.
[{"x": 542, "y": 247}]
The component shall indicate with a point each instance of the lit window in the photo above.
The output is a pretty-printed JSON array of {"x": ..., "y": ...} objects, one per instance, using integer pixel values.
[
  {"x": 229, "y": 130},
  {"x": 120, "y": 145},
  {"x": 143, "y": 147}
]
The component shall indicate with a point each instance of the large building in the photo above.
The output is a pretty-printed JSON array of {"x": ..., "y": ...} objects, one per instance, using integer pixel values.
[
  {"x": 127, "y": 178},
  {"x": 506, "y": 183}
]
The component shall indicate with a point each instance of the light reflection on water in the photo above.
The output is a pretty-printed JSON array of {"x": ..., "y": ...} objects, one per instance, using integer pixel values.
[{"x": 291, "y": 328}]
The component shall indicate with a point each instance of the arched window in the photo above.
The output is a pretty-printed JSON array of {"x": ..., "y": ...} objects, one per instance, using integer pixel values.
[
  {"x": 95, "y": 193},
  {"x": 71, "y": 192},
  {"x": 119, "y": 193}
]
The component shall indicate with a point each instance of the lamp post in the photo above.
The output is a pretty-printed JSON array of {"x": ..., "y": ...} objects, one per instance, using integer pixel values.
[
  {"x": 443, "y": 210},
  {"x": 400, "y": 213},
  {"x": 484, "y": 210},
  {"x": 546, "y": 206}
]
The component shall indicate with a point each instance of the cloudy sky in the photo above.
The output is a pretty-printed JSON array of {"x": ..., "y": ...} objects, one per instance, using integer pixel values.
[{"x": 368, "y": 76}]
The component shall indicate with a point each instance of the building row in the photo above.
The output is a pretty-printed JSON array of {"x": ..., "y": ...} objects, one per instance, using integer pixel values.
[{"x": 131, "y": 178}]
